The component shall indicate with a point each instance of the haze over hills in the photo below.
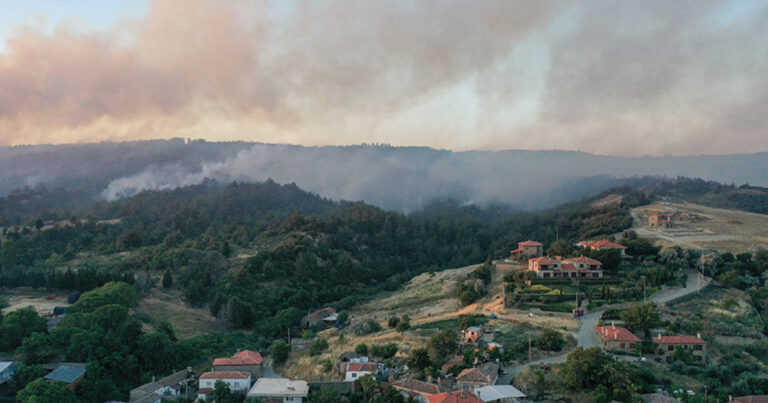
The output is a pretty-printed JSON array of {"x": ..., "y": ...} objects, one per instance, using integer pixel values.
[{"x": 399, "y": 178}]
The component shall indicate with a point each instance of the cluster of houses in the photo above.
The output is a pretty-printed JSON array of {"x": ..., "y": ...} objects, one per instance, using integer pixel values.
[
  {"x": 578, "y": 267},
  {"x": 617, "y": 338}
]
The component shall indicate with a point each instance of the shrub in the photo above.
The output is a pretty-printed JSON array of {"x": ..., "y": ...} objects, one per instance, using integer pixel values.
[
  {"x": 367, "y": 327},
  {"x": 318, "y": 347}
]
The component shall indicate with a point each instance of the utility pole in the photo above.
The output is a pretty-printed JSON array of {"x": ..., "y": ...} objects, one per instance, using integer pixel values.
[
  {"x": 529, "y": 348},
  {"x": 645, "y": 298}
]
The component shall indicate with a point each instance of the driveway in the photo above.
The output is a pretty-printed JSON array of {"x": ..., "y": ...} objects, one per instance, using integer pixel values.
[{"x": 586, "y": 336}]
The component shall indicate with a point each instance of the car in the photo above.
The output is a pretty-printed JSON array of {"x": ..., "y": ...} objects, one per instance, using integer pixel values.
[{"x": 544, "y": 367}]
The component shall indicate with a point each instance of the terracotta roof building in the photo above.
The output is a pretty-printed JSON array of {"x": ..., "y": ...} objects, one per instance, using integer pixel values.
[
  {"x": 578, "y": 267},
  {"x": 482, "y": 375},
  {"x": 354, "y": 370},
  {"x": 695, "y": 345},
  {"x": 316, "y": 318},
  {"x": 243, "y": 361},
  {"x": 602, "y": 244},
  {"x": 617, "y": 338},
  {"x": 459, "y": 396},
  {"x": 417, "y": 388},
  {"x": 528, "y": 249},
  {"x": 237, "y": 380}
]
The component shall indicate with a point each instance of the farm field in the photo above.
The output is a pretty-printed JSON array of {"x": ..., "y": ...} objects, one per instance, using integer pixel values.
[{"x": 702, "y": 227}]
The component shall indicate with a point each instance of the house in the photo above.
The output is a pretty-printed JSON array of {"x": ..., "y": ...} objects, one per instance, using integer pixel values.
[
  {"x": 348, "y": 357},
  {"x": 482, "y": 375},
  {"x": 578, "y": 267},
  {"x": 473, "y": 333},
  {"x": 617, "y": 338},
  {"x": 6, "y": 371},
  {"x": 528, "y": 249},
  {"x": 317, "y": 317},
  {"x": 458, "y": 396},
  {"x": 69, "y": 375},
  {"x": 603, "y": 244},
  {"x": 237, "y": 380},
  {"x": 668, "y": 345},
  {"x": 354, "y": 370},
  {"x": 499, "y": 393},
  {"x": 750, "y": 399},
  {"x": 279, "y": 389},
  {"x": 243, "y": 361},
  {"x": 457, "y": 360},
  {"x": 661, "y": 221},
  {"x": 155, "y": 391},
  {"x": 418, "y": 389}
]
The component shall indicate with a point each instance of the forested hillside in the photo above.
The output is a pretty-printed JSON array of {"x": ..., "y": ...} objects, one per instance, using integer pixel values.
[
  {"x": 744, "y": 197},
  {"x": 248, "y": 251}
]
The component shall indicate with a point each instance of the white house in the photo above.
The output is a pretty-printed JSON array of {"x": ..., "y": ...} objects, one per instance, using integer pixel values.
[
  {"x": 238, "y": 381},
  {"x": 6, "y": 371},
  {"x": 280, "y": 389},
  {"x": 357, "y": 369}
]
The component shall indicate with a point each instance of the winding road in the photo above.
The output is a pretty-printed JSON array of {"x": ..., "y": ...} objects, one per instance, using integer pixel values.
[{"x": 586, "y": 336}]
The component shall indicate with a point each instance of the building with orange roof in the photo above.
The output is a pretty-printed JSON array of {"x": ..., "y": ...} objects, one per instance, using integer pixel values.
[
  {"x": 243, "y": 361},
  {"x": 693, "y": 344},
  {"x": 354, "y": 370},
  {"x": 603, "y": 244},
  {"x": 237, "y": 380},
  {"x": 617, "y": 338},
  {"x": 528, "y": 249},
  {"x": 579, "y": 267},
  {"x": 661, "y": 220},
  {"x": 458, "y": 396}
]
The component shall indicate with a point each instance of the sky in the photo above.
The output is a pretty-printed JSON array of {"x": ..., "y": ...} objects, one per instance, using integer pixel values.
[{"x": 608, "y": 77}]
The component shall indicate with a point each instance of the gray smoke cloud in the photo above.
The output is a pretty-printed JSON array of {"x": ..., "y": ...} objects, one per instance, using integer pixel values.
[{"x": 405, "y": 179}]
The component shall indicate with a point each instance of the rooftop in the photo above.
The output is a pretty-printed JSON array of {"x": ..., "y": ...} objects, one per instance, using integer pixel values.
[
  {"x": 616, "y": 333},
  {"x": 529, "y": 243},
  {"x": 66, "y": 374},
  {"x": 544, "y": 260},
  {"x": 5, "y": 364},
  {"x": 279, "y": 387},
  {"x": 602, "y": 244},
  {"x": 459, "y": 396},
  {"x": 245, "y": 357},
  {"x": 363, "y": 366},
  {"x": 482, "y": 373},
  {"x": 585, "y": 260},
  {"x": 225, "y": 375},
  {"x": 680, "y": 340},
  {"x": 420, "y": 387},
  {"x": 498, "y": 392}
]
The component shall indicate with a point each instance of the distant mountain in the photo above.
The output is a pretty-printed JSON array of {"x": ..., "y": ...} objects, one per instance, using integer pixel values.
[{"x": 398, "y": 178}]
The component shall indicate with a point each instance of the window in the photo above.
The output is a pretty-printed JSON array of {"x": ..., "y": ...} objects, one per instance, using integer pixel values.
[
  {"x": 698, "y": 347},
  {"x": 632, "y": 346},
  {"x": 354, "y": 375},
  {"x": 697, "y": 358},
  {"x": 622, "y": 345},
  {"x": 237, "y": 383},
  {"x": 670, "y": 348}
]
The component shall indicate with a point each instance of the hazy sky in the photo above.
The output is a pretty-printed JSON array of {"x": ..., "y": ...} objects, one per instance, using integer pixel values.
[{"x": 610, "y": 77}]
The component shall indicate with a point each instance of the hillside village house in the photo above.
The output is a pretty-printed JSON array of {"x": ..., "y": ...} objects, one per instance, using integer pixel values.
[
  {"x": 483, "y": 375},
  {"x": 279, "y": 390},
  {"x": 318, "y": 317},
  {"x": 499, "y": 394},
  {"x": 668, "y": 344},
  {"x": 355, "y": 370},
  {"x": 457, "y": 360},
  {"x": 473, "y": 333},
  {"x": 237, "y": 381},
  {"x": 661, "y": 221},
  {"x": 578, "y": 267},
  {"x": 155, "y": 391},
  {"x": 458, "y": 396},
  {"x": 617, "y": 338},
  {"x": 419, "y": 389},
  {"x": 243, "y": 361},
  {"x": 603, "y": 244},
  {"x": 69, "y": 375},
  {"x": 528, "y": 249},
  {"x": 6, "y": 371}
]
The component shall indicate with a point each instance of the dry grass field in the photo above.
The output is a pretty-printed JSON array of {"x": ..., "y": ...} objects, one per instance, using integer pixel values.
[
  {"x": 20, "y": 298},
  {"x": 702, "y": 227},
  {"x": 165, "y": 306}
]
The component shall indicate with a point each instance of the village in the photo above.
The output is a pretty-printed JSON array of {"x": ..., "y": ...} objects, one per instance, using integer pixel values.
[{"x": 479, "y": 360}]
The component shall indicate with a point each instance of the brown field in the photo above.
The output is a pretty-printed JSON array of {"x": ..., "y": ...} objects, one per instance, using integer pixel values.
[
  {"x": 20, "y": 298},
  {"x": 167, "y": 306},
  {"x": 701, "y": 227}
]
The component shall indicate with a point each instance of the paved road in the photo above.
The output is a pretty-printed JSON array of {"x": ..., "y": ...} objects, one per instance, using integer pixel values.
[{"x": 586, "y": 336}]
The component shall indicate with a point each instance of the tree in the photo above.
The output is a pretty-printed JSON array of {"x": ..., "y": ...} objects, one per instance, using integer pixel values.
[
  {"x": 327, "y": 365},
  {"x": 221, "y": 392},
  {"x": 560, "y": 248},
  {"x": 36, "y": 348},
  {"x": 584, "y": 368},
  {"x": 550, "y": 340},
  {"x": 24, "y": 374},
  {"x": 361, "y": 349},
  {"x": 42, "y": 391},
  {"x": 226, "y": 251},
  {"x": 403, "y": 324},
  {"x": 18, "y": 325},
  {"x": 442, "y": 344},
  {"x": 324, "y": 395},
  {"x": 641, "y": 317},
  {"x": 318, "y": 347},
  {"x": 167, "y": 279},
  {"x": 393, "y": 321},
  {"x": 279, "y": 351},
  {"x": 419, "y": 360}
]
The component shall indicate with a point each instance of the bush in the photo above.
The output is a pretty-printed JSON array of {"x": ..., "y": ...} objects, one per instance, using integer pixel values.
[
  {"x": 393, "y": 321},
  {"x": 279, "y": 351},
  {"x": 367, "y": 327},
  {"x": 361, "y": 349},
  {"x": 308, "y": 334},
  {"x": 385, "y": 352},
  {"x": 318, "y": 347},
  {"x": 550, "y": 340}
]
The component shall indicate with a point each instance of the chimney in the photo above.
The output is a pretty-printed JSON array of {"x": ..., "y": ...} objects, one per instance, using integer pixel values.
[
  {"x": 616, "y": 336},
  {"x": 613, "y": 324},
  {"x": 659, "y": 336},
  {"x": 698, "y": 335}
]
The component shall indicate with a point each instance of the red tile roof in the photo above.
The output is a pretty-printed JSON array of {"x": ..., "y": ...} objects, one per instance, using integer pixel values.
[
  {"x": 680, "y": 340},
  {"x": 544, "y": 260},
  {"x": 616, "y": 333},
  {"x": 459, "y": 396},
  {"x": 583, "y": 259},
  {"x": 245, "y": 357},
  {"x": 322, "y": 313},
  {"x": 568, "y": 267},
  {"x": 603, "y": 244},
  {"x": 363, "y": 366},
  {"x": 457, "y": 360},
  {"x": 225, "y": 375},
  {"x": 419, "y": 387},
  {"x": 529, "y": 243}
]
